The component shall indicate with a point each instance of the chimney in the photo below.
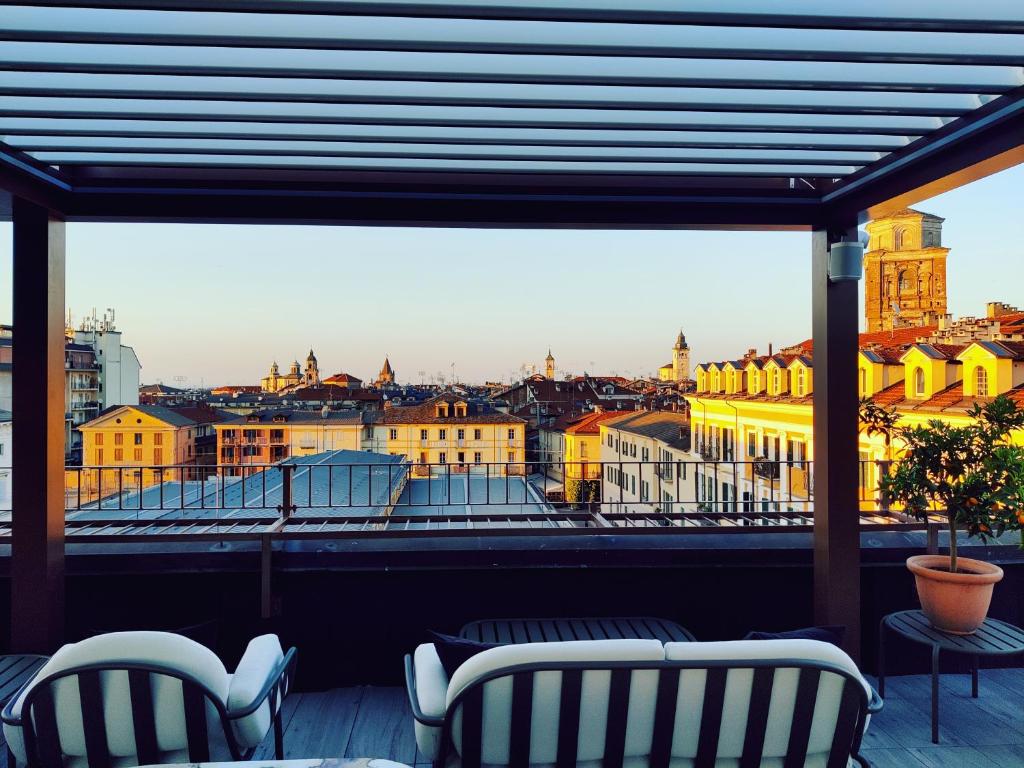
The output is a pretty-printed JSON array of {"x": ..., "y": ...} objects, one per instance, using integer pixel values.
[{"x": 769, "y": 349}]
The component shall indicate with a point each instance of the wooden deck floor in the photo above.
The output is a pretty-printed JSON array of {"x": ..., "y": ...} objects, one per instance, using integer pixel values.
[{"x": 984, "y": 733}]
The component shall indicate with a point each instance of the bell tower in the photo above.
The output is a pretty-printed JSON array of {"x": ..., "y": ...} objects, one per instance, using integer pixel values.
[
  {"x": 680, "y": 359},
  {"x": 904, "y": 271},
  {"x": 549, "y": 365}
]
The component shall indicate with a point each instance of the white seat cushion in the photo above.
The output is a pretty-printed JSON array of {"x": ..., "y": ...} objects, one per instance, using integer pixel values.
[
  {"x": 547, "y": 696},
  {"x": 162, "y": 648},
  {"x": 431, "y": 692},
  {"x": 737, "y": 695},
  {"x": 261, "y": 659}
]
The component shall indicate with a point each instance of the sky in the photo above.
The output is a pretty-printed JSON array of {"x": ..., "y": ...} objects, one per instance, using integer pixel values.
[{"x": 216, "y": 304}]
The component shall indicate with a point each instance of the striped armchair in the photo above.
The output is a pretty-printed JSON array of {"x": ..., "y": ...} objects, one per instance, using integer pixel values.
[{"x": 133, "y": 698}]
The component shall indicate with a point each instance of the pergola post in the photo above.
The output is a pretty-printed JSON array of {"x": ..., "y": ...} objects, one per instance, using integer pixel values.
[
  {"x": 836, "y": 456},
  {"x": 37, "y": 558}
]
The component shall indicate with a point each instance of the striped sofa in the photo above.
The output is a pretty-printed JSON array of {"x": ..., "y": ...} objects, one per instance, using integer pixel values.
[{"x": 641, "y": 704}]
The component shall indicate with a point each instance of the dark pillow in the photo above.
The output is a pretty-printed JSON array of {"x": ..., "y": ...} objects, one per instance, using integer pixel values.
[
  {"x": 834, "y": 635},
  {"x": 454, "y": 651}
]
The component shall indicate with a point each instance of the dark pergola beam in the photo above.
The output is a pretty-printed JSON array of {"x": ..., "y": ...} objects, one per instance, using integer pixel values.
[
  {"x": 37, "y": 519},
  {"x": 836, "y": 459},
  {"x": 528, "y": 12},
  {"x": 488, "y": 102},
  {"x": 25, "y": 177},
  {"x": 987, "y": 141},
  {"x": 504, "y": 78}
]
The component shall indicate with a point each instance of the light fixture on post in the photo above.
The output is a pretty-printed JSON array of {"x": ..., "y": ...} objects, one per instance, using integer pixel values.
[{"x": 846, "y": 260}]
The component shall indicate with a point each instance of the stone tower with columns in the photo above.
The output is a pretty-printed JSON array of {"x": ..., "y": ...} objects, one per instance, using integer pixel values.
[{"x": 904, "y": 271}]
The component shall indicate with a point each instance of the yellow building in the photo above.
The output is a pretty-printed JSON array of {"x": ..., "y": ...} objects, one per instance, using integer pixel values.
[
  {"x": 449, "y": 430},
  {"x": 755, "y": 417},
  {"x": 270, "y": 436},
  {"x": 125, "y": 447}
]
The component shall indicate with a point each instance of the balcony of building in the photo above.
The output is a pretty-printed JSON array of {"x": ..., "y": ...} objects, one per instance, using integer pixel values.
[{"x": 549, "y": 115}]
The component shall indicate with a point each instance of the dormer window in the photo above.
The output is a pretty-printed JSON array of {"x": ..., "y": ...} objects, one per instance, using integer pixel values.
[
  {"x": 442, "y": 410},
  {"x": 980, "y": 382},
  {"x": 460, "y": 410},
  {"x": 279, "y": 417}
]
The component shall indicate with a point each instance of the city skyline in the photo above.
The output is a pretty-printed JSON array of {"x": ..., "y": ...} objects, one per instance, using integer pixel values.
[{"x": 490, "y": 305}]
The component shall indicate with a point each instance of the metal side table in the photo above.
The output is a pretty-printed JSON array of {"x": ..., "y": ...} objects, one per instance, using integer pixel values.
[{"x": 993, "y": 638}]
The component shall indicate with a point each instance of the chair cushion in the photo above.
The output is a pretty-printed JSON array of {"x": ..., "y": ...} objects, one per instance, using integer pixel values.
[
  {"x": 738, "y": 688},
  {"x": 455, "y": 651},
  {"x": 261, "y": 659},
  {"x": 546, "y": 697},
  {"x": 162, "y": 648},
  {"x": 431, "y": 688}
]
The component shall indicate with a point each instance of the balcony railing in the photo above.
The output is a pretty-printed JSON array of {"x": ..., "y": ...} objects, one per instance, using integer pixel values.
[{"x": 304, "y": 498}]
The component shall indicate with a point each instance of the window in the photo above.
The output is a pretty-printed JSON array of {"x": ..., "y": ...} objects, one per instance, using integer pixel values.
[
  {"x": 919, "y": 382},
  {"x": 118, "y": 455},
  {"x": 512, "y": 433},
  {"x": 392, "y": 434},
  {"x": 645, "y": 454},
  {"x": 249, "y": 435},
  {"x": 755, "y": 379},
  {"x": 423, "y": 434},
  {"x": 645, "y": 490},
  {"x": 158, "y": 438},
  {"x": 800, "y": 381},
  {"x": 906, "y": 281},
  {"x": 898, "y": 238},
  {"x": 776, "y": 382},
  {"x": 477, "y": 458},
  {"x": 138, "y": 438},
  {"x": 423, "y": 457},
  {"x": 862, "y": 381},
  {"x": 462, "y": 457},
  {"x": 511, "y": 456},
  {"x": 476, "y": 434},
  {"x": 609, "y": 439},
  {"x": 442, "y": 458},
  {"x": 118, "y": 438},
  {"x": 461, "y": 434},
  {"x": 980, "y": 382},
  {"x": 632, "y": 450},
  {"x": 99, "y": 456},
  {"x": 250, "y": 450},
  {"x": 460, "y": 410},
  {"x": 751, "y": 442},
  {"x": 158, "y": 455},
  {"x": 138, "y": 454},
  {"x": 442, "y": 410},
  {"x": 442, "y": 434},
  {"x": 99, "y": 438}
]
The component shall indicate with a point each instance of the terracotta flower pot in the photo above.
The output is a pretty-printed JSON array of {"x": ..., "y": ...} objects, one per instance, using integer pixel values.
[{"x": 954, "y": 602}]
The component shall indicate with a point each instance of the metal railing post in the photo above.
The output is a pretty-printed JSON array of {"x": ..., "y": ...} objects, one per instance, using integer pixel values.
[{"x": 286, "y": 507}]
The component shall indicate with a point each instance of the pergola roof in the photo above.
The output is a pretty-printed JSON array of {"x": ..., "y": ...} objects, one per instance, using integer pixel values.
[{"x": 548, "y": 113}]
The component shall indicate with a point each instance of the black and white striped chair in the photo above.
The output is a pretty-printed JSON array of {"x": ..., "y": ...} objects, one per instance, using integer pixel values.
[
  {"x": 134, "y": 698},
  {"x": 639, "y": 704}
]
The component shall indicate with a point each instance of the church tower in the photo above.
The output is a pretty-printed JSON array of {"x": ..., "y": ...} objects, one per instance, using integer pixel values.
[
  {"x": 549, "y": 365},
  {"x": 312, "y": 375},
  {"x": 681, "y": 359},
  {"x": 904, "y": 271}
]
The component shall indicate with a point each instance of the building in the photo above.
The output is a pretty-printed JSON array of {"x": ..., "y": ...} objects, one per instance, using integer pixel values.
[
  {"x": 678, "y": 371},
  {"x": 631, "y": 483},
  {"x": 549, "y": 366},
  {"x": 271, "y": 436},
  {"x": 119, "y": 366},
  {"x": 137, "y": 443},
  {"x": 344, "y": 380},
  {"x": 275, "y": 381},
  {"x": 753, "y": 417},
  {"x": 904, "y": 271},
  {"x": 450, "y": 430},
  {"x": 582, "y": 459},
  {"x": 81, "y": 391},
  {"x": 386, "y": 377},
  {"x": 6, "y": 446}
]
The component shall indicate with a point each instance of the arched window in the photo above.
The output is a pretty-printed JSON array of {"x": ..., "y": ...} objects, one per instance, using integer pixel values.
[
  {"x": 755, "y": 382},
  {"x": 898, "y": 236},
  {"x": 919, "y": 382},
  {"x": 906, "y": 281},
  {"x": 777, "y": 382},
  {"x": 980, "y": 382},
  {"x": 801, "y": 373}
]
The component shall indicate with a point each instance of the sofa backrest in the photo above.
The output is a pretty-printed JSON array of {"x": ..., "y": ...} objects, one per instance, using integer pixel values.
[
  {"x": 637, "y": 702},
  {"x": 102, "y": 700}
]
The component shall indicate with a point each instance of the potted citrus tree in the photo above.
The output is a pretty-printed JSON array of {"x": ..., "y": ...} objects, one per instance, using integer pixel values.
[{"x": 974, "y": 476}]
